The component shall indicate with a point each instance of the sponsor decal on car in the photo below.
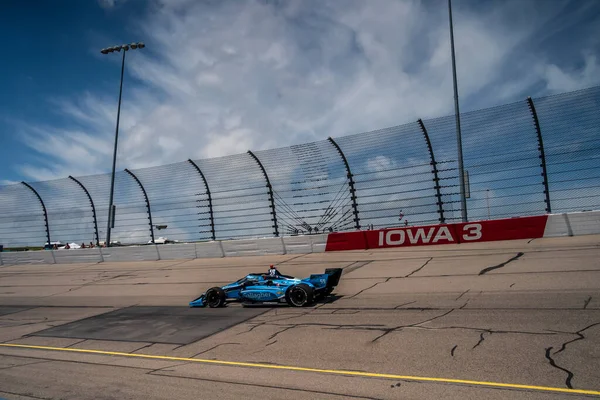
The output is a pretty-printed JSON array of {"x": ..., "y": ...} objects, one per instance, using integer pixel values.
[{"x": 258, "y": 295}]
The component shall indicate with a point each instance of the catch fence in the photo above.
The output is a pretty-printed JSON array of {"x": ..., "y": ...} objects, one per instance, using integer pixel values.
[{"x": 530, "y": 157}]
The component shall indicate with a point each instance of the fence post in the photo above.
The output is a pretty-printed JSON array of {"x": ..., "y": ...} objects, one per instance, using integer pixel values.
[
  {"x": 43, "y": 207},
  {"x": 210, "y": 206},
  {"x": 147, "y": 202},
  {"x": 350, "y": 182},
  {"x": 93, "y": 208},
  {"x": 436, "y": 178},
  {"x": 270, "y": 192},
  {"x": 538, "y": 131}
]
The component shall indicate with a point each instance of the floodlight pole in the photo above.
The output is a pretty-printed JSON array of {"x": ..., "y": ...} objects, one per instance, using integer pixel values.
[
  {"x": 125, "y": 48},
  {"x": 461, "y": 171},
  {"x": 114, "y": 163}
]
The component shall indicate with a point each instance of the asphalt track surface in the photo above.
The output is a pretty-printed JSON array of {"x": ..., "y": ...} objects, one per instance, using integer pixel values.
[{"x": 515, "y": 319}]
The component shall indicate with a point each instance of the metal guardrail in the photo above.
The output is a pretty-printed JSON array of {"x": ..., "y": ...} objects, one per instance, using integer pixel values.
[{"x": 530, "y": 157}]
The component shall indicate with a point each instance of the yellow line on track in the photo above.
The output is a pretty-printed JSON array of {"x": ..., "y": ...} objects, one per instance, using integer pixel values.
[{"x": 315, "y": 370}]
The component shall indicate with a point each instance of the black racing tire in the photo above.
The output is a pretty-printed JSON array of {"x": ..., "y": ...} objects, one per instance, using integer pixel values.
[
  {"x": 215, "y": 297},
  {"x": 300, "y": 295}
]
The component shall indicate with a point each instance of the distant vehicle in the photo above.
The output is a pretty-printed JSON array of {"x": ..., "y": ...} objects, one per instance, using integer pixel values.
[
  {"x": 162, "y": 240},
  {"x": 262, "y": 288},
  {"x": 112, "y": 243},
  {"x": 50, "y": 246}
]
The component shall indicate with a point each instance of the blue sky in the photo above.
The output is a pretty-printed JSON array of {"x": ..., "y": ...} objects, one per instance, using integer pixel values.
[
  {"x": 49, "y": 53},
  {"x": 222, "y": 77}
]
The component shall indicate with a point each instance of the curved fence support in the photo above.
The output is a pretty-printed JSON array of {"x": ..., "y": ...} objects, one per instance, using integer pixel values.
[
  {"x": 270, "y": 192},
  {"x": 93, "y": 208},
  {"x": 44, "y": 208},
  {"x": 210, "y": 206},
  {"x": 538, "y": 131},
  {"x": 436, "y": 178},
  {"x": 350, "y": 182},
  {"x": 147, "y": 202}
]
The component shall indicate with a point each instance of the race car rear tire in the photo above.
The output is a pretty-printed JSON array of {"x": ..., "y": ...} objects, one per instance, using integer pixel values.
[
  {"x": 215, "y": 297},
  {"x": 300, "y": 295}
]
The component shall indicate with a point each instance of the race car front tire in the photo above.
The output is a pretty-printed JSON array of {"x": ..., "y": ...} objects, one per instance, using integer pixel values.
[
  {"x": 215, "y": 297},
  {"x": 300, "y": 295}
]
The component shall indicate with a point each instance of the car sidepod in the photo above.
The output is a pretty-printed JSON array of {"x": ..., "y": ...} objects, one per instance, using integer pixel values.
[{"x": 262, "y": 294}]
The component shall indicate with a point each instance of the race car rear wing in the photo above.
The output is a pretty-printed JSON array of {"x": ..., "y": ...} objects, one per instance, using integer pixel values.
[
  {"x": 328, "y": 280},
  {"x": 334, "y": 276}
]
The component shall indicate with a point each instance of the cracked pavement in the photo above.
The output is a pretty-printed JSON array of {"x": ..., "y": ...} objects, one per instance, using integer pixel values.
[{"x": 520, "y": 312}]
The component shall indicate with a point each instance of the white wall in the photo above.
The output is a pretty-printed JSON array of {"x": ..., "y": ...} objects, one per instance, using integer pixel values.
[
  {"x": 305, "y": 244},
  {"x": 81, "y": 256},
  {"x": 209, "y": 250},
  {"x": 28, "y": 257},
  {"x": 573, "y": 224},
  {"x": 252, "y": 247},
  {"x": 185, "y": 251}
]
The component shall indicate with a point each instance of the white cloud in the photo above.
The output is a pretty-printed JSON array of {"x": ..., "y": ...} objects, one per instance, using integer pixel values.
[
  {"x": 106, "y": 3},
  {"x": 110, "y": 4},
  {"x": 380, "y": 163},
  {"x": 562, "y": 81},
  {"x": 219, "y": 78}
]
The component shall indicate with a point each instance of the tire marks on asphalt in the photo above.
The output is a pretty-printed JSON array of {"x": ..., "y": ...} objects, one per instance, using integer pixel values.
[{"x": 488, "y": 269}]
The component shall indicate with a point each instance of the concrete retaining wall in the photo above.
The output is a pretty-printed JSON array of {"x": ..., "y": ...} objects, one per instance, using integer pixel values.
[
  {"x": 209, "y": 250},
  {"x": 76, "y": 256},
  {"x": 134, "y": 253},
  {"x": 184, "y": 251},
  {"x": 557, "y": 225},
  {"x": 305, "y": 244},
  {"x": 28, "y": 257},
  {"x": 573, "y": 224},
  {"x": 258, "y": 247}
]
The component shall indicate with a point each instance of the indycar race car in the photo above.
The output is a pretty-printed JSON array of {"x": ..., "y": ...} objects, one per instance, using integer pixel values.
[{"x": 261, "y": 288}]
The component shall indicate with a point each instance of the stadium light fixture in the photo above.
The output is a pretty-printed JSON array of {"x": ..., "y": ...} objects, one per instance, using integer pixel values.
[{"x": 125, "y": 48}]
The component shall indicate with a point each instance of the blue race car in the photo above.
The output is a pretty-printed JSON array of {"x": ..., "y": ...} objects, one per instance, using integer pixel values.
[{"x": 261, "y": 288}]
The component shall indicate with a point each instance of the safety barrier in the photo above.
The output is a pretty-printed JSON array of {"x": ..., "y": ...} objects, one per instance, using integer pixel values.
[
  {"x": 27, "y": 257},
  {"x": 552, "y": 225},
  {"x": 530, "y": 157},
  {"x": 245, "y": 247},
  {"x": 305, "y": 244},
  {"x": 573, "y": 224},
  {"x": 183, "y": 251}
]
